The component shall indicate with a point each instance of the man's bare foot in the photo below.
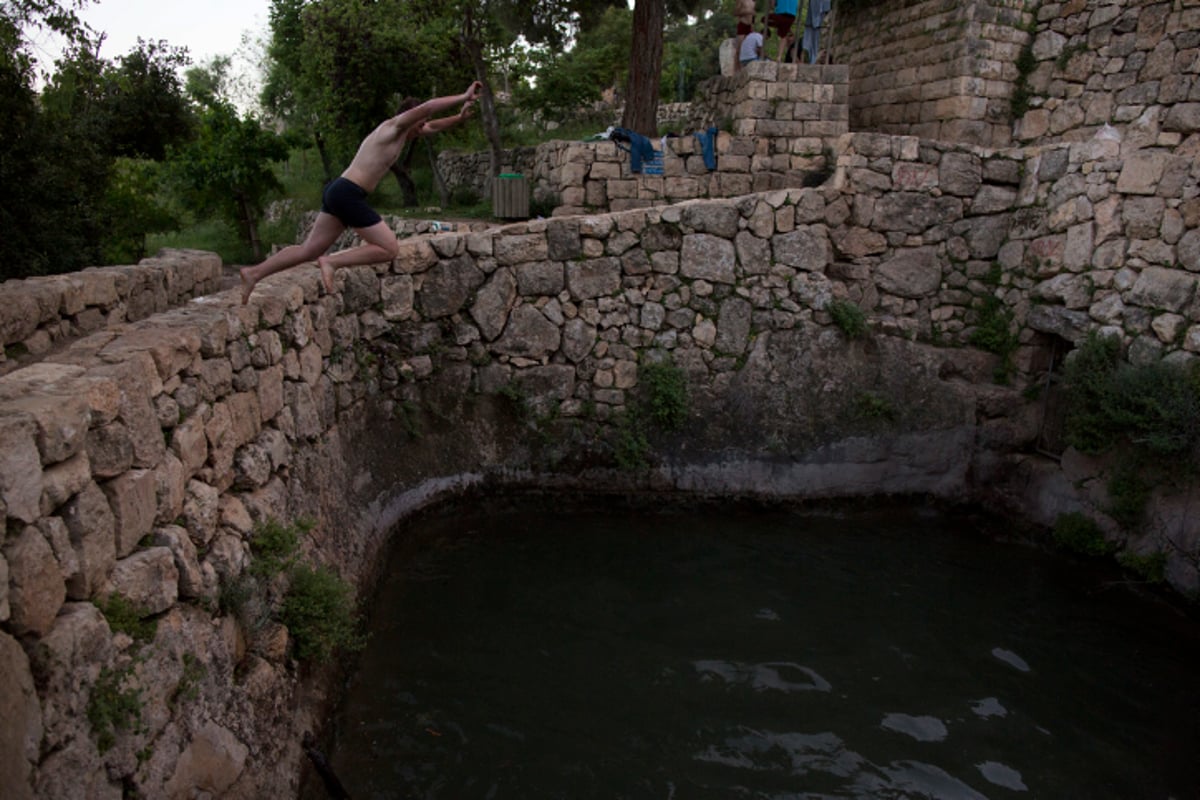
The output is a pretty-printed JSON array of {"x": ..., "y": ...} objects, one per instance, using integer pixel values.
[
  {"x": 247, "y": 285},
  {"x": 326, "y": 274}
]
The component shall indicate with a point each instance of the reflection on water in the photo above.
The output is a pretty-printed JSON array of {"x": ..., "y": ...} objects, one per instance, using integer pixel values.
[{"x": 518, "y": 653}]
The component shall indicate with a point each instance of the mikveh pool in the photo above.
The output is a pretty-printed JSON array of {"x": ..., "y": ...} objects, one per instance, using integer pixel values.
[{"x": 535, "y": 649}]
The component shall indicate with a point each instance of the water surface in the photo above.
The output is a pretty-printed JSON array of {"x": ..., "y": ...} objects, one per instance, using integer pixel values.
[{"x": 894, "y": 653}]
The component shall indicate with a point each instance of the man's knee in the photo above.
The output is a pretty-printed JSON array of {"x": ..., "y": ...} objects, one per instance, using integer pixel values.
[{"x": 392, "y": 248}]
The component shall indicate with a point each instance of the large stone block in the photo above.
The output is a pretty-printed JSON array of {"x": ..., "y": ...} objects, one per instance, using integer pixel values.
[
  {"x": 20, "y": 466},
  {"x": 912, "y": 273},
  {"x": 35, "y": 587},
  {"x": 21, "y": 733},
  {"x": 807, "y": 248},
  {"x": 449, "y": 285},
  {"x": 707, "y": 257},
  {"x": 529, "y": 334},
  {"x": 133, "y": 498},
  {"x": 495, "y": 299},
  {"x": 148, "y": 579},
  {"x": 92, "y": 529}
]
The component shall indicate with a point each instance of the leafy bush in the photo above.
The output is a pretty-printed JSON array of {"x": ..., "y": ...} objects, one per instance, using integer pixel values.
[
  {"x": 319, "y": 613},
  {"x": 274, "y": 546},
  {"x": 631, "y": 447},
  {"x": 1153, "y": 407},
  {"x": 849, "y": 318},
  {"x": 1080, "y": 534}
]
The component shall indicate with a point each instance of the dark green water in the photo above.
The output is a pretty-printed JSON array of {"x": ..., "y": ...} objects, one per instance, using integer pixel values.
[{"x": 896, "y": 653}]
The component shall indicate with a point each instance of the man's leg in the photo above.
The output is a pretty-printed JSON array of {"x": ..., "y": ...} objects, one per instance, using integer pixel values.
[
  {"x": 325, "y": 231},
  {"x": 381, "y": 246}
]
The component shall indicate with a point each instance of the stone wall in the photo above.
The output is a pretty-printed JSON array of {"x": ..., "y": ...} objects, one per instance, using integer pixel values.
[
  {"x": 1133, "y": 65},
  {"x": 137, "y": 459},
  {"x": 782, "y": 116},
  {"x": 40, "y": 313},
  {"x": 938, "y": 69}
]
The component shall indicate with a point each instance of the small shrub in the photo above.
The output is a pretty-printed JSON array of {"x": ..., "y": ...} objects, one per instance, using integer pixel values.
[
  {"x": 993, "y": 333},
  {"x": 1128, "y": 493},
  {"x": 113, "y": 705},
  {"x": 274, "y": 547},
  {"x": 666, "y": 394},
  {"x": 631, "y": 448},
  {"x": 544, "y": 205},
  {"x": 1080, "y": 534},
  {"x": 124, "y": 617},
  {"x": 872, "y": 406},
  {"x": 1151, "y": 567},
  {"x": 849, "y": 318},
  {"x": 319, "y": 613},
  {"x": 188, "y": 687}
]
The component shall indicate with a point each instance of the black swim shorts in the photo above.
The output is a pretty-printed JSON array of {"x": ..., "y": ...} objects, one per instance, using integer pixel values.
[{"x": 347, "y": 201}]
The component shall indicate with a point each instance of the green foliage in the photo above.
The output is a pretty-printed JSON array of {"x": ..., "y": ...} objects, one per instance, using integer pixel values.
[
  {"x": 1128, "y": 493},
  {"x": 849, "y": 318},
  {"x": 631, "y": 447},
  {"x": 993, "y": 332},
  {"x": 124, "y": 617},
  {"x": 133, "y": 209},
  {"x": 226, "y": 169},
  {"x": 875, "y": 407},
  {"x": 319, "y": 613},
  {"x": 665, "y": 398},
  {"x": 274, "y": 547},
  {"x": 1026, "y": 64},
  {"x": 1080, "y": 534},
  {"x": 1151, "y": 567},
  {"x": 115, "y": 704},
  {"x": 188, "y": 688},
  {"x": 1153, "y": 407}
]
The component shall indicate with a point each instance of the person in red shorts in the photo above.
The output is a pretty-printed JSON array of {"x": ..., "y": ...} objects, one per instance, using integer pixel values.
[{"x": 782, "y": 21}]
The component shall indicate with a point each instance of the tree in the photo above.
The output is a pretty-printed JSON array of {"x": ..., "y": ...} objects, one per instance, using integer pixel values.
[
  {"x": 144, "y": 102},
  {"x": 645, "y": 63},
  {"x": 226, "y": 169}
]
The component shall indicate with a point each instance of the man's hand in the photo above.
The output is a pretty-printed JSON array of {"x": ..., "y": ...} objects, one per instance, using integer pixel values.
[
  {"x": 465, "y": 112},
  {"x": 473, "y": 90}
]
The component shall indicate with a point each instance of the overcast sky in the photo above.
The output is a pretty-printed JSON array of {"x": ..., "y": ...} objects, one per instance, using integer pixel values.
[{"x": 207, "y": 28}]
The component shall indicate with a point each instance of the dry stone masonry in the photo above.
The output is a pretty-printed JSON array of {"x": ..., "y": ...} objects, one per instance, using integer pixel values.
[{"x": 143, "y": 444}]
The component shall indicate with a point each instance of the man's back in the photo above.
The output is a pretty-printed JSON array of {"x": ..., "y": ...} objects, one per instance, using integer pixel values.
[{"x": 376, "y": 154}]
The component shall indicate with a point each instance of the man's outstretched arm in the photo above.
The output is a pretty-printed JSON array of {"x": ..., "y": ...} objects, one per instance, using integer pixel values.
[
  {"x": 434, "y": 106},
  {"x": 438, "y": 125}
]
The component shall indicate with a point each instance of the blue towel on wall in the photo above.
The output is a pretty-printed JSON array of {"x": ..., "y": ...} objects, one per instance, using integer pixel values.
[
  {"x": 639, "y": 147},
  {"x": 708, "y": 141}
]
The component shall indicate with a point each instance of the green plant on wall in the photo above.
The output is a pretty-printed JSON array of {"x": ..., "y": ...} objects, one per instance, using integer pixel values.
[
  {"x": 1080, "y": 534},
  {"x": 666, "y": 394},
  {"x": 848, "y": 318},
  {"x": 994, "y": 333},
  {"x": 318, "y": 611},
  {"x": 115, "y": 704},
  {"x": 124, "y": 617}
]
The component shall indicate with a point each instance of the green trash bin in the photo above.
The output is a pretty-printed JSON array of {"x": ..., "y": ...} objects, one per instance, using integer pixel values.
[{"x": 510, "y": 196}]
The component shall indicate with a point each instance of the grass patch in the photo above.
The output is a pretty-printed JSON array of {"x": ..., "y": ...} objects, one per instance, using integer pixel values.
[
  {"x": 666, "y": 394},
  {"x": 274, "y": 546}
]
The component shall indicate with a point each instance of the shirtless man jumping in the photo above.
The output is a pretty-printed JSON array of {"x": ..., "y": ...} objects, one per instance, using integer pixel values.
[{"x": 344, "y": 203}]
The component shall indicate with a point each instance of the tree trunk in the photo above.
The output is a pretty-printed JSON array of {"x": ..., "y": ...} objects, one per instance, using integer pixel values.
[
  {"x": 438, "y": 181},
  {"x": 407, "y": 188},
  {"x": 251, "y": 226},
  {"x": 325, "y": 164},
  {"x": 645, "y": 68},
  {"x": 487, "y": 101}
]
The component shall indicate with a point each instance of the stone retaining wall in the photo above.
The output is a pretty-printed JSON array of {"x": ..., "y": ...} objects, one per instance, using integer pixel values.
[
  {"x": 938, "y": 69},
  {"x": 137, "y": 460},
  {"x": 1132, "y": 65},
  {"x": 783, "y": 117},
  {"x": 40, "y": 313}
]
